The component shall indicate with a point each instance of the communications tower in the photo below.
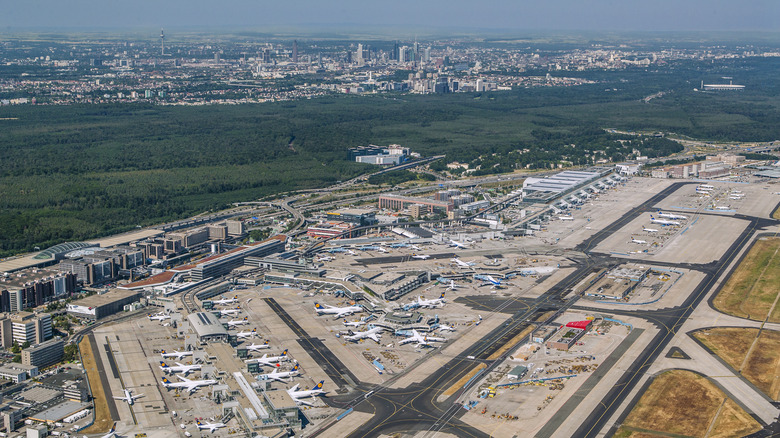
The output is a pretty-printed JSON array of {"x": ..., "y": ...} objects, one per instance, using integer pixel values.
[{"x": 162, "y": 42}]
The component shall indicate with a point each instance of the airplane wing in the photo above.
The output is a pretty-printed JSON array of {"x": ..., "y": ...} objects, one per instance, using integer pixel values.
[
  {"x": 184, "y": 379},
  {"x": 374, "y": 336},
  {"x": 302, "y": 402},
  {"x": 407, "y": 340}
]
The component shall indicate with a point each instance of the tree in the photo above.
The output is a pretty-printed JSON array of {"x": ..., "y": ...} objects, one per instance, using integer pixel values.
[{"x": 71, "y": 353}]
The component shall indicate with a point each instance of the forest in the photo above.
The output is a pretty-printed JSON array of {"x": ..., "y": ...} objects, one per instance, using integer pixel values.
[{"x": 77, "y": 172}]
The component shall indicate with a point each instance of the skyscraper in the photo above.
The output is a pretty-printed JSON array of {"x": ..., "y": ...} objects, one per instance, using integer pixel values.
[
  {"x": 359, "y": 54},
  {"x": 162, "y": 42},
  {"x": 295, "y": 51}
]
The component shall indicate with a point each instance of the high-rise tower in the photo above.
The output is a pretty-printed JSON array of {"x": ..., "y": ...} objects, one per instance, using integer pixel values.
[
  {"x": 162, "y": 42},
  {"x": 295, "y": 51}
]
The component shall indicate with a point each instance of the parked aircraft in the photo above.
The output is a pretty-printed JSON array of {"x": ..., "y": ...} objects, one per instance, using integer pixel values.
[
  {"x": 210, "y": 426},
  {"x": 177, "y": 354},
  {"x": 280, "y": 376},
  {"x": 663, "y": 222},
  {"x": 461, "y": 264},
  {"x": 247, "y": 335},
  {"x": 706, "y": 186},
  {"x": 566, "y": 218},
  {"x": 340, "y": 312},
  {"x": 421, "y": 256},
  {"x": 436, "y": 302},
  {"x": 452, "y": 285},
  {"x": 354, "y": 323},
  {"x": 270, "y": 361},
  {"x": 158, "y": 317},
  {"x": 489, "y": 280},
  {"x": 225, "y": 301},
  {"x": 189, "y": 385},
  {"x": 641, "y": 242},
  {"x": 257, "y": 347},
  {"x": 179, "y": 368},
  {"x": 111, "y": 433},
  {"x": 649, "y": 230},
  {"x": 460, "y": 245},
  {"x": 231, "y": 312},
  {"x": 129, "y": 398},
  {"x": 445, "y": 328},
  {"x": 236, "y": 322},
  {"x": 671, "y": 215},
  {"x": 297, "y": 395},
  {"x": 373, "y": 334},
  {"x": 422, "y": 341}
]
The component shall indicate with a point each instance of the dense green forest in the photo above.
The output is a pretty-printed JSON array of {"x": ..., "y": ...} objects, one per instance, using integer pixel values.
[{"x": 75, "y": 172}]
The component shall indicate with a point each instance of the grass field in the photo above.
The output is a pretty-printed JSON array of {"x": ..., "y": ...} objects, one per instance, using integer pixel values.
[
  {"x": 751, "y": 291},
  {"x": 682, "y": 403},
  {"x": 759, "y": 364},
  {"x": 102, "y": 415}
]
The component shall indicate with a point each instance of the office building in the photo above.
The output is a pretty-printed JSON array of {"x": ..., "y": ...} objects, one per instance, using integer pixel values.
[
  {"x": 396, "y": 202},
  {"x": 44, "y": 354},
  {"x": 30, "y": 328},
  {"x": 33, "y": 287},
  {"x": 355, "y": 216},
  {"x": 99, "y": 306}
]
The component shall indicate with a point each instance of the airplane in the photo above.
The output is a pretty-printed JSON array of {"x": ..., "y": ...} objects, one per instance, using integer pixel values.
[
  {"x": 641, "y": 242},
  {"x": 233, "y": 323},
  {"x": 231, "y": 312},
  {"x": 350, "y": 252},
  {"x": 459, "y": 245},
  {"x": 662, "y": 222},
  {"x": 246, "y": 335},
  {"x": 177, "y": 354},
  {"x": 324, "y": 258},
  {"x": 279, "y": 376},
  {"x": 270, "y": 361},
  {"x": 129, "y": 398},
  {"x": 704, "y": 188},
  {"x": 489, "y": 280},
  {"x": 210, "y": 426},
  {"x": 254, "y": 347},
  {"x": 671, "y": 215},
  {"x": 437, "y": 302},
  {"x": 340, "y": 312},
  {"x": 649, "y": 230},
  {"x": 421, "y": 256},
  {"x": 566, "y": 218},
  {"x": 355, "y": 324},
  {"x": 445, "y": 327},
  {"x": 225, "y": 301},
  {"x": 380, "y": 249},
  {"x": 111, "y": 433},
  {"x": 722, "y": 207},
  {"x": 422, "y": 341},
  {"x": 373, "y": 334},
  {"x": 158, "y": 317},
  {"x": 297, "y": 395},
  {"x": 179, "y": 368},
  {"x": 189, "y": 385},
  {"x": 452, "y": 285},
  {"x": 461, "y": 263}
]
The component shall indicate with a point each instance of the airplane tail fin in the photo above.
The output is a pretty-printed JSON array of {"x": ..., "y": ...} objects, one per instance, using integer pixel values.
[
  {"x": 284, "y": 353},
  {"x": 319, "y": 385}
]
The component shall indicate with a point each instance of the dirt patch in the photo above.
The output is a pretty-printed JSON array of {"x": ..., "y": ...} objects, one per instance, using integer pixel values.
[
  {"x": 103, "y": 420},
  {"x": 762, "y": 367},
  {"x": 463, "y": 380},
  {"x": 684, "y": 403},
  {"x": 517, "y": 338},
  {"x": 751, "y": 291},
  {"x": 733, "y": 421}
]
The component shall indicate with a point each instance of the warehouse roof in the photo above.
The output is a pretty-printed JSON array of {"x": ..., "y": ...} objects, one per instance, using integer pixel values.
[{"x": 206, "y": 324}]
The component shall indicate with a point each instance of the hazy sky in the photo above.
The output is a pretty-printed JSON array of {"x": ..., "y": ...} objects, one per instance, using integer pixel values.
[{"x": 608, "y": 15}]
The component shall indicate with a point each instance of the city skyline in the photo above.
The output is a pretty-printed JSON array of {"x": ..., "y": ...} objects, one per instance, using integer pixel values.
[{"x": 559, "y": 15}]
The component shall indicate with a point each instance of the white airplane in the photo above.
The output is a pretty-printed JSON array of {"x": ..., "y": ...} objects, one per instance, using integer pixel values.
[
  {"x": 158, "y": 317},
  {"x": 566, "y": 218},
  {"x": 189, "y": 385},
  {"x": 233, "y": 323},
  {"x": 422, "y": 341},
  {"x": 231, "y": 312},
  {"x": 421, "y": 256},
  {"x": 257, "y": 347},
  {"x": 373, "y": 334},
  {"x": 210, "y": 426},
  {"x": 649, "y": 230},
  {"x": 129, "y": 398},
  {"x": 355, "y": 324},
  {"x": 436, "y": 302},
  {"x": 736, "y": 196},
  {"x": 179, "y": 368},
  {"x": 489, "y": 280},
  {"x": 270, "y": 361},
  {"x": 246, "y": 335},
  {"x": 641, "y": 242},
  {"x": 350, "y": 252},
  {"x": 706, "y": 186},
  {"x": 279, "y": 376},
  {"x": 460, "y": 245},
  {"x": 662, "y": 222},
  {"x": 382, "y": 250},
  {"x": 671, "y": 215},
  {"x": 324, "y": 258},
  {"x": 340, "y": 312},
  {"x": 452, "y": 285},
  {"x": 722, "y": 207},
  {"x": 225, "y": 301},
  {"x": 297, "y": 395},
  {"x": 461, "y": 263},
  {"x": 111, "y": 433},
  {"x": 177, "y": 354},
  {"x": 445, "y": 328}
]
